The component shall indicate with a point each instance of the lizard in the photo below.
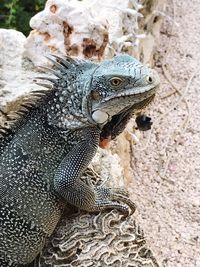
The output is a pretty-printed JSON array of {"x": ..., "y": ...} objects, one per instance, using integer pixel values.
[{"x": 52, "y": 141}]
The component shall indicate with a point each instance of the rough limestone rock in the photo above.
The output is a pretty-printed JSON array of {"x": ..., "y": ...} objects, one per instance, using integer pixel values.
[
  {"x": 16, "y": 73},
  {"x": 85, "y": 29},
  {"x": 96, "y": 30},
  {"x": 11, "y": 49},
  {"x": 105, "y": 239}
]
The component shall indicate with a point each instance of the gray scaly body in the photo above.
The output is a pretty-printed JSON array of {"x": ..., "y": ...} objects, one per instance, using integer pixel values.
[{"x": 47, "y": 150}]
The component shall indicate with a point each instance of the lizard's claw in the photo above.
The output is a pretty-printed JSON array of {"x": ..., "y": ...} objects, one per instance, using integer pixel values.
[
  {"x": 125, "y": 199},
  {"x": 116, "y": 198}
]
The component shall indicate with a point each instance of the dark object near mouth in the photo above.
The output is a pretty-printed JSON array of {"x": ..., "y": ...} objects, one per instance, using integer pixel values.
[
  {"x": 118, "y": 122},
  {"x": 116, "y": 126},
  {"x": 143, "y": 122}
]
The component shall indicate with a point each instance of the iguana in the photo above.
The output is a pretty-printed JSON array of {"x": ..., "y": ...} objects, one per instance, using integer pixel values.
[{"x": 47, "y": 149}]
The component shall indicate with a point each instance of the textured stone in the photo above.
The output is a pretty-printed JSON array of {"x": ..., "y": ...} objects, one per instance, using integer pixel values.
[
  {"x": 85, "y": 29},
  {"x": 99, "y": 240},
  {"x": 16, "y": 74}
]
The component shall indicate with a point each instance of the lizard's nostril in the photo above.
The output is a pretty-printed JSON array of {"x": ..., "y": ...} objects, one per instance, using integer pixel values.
[{"x": 149, "y": 79}]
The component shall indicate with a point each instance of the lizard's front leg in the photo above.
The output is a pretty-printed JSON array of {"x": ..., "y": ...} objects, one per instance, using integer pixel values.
[{"x": 68, "y": 184}]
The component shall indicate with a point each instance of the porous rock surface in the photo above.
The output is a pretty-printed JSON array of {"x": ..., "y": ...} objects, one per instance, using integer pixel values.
[
  {"x": 16, "y": 73},
  {"x": 85, "y": 29},
  {"x": 105, "y": 239}
]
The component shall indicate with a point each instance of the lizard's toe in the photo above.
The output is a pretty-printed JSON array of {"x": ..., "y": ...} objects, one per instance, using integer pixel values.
[
  {"x": 126, "y": 200},
  {"x": 116, "y": 198},
  {"x": 120, "y": 191}
]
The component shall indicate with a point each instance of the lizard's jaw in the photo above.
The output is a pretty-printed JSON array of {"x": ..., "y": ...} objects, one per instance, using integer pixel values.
[
  {"x": 139, "y": 105},
  {"x": 118, "y": 122},
  {"x": 114, "y": 105},
  {"x": 127, "y": 98}
]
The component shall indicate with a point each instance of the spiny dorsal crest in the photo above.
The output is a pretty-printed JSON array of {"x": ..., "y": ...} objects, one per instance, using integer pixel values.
[
  {"x": 15, "y": 112},
  {"x": 65, "y": 68}
]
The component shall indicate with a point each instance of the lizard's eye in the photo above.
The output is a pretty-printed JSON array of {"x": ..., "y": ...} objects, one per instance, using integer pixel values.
[
  {"x": 149, "y": 79},
  {"x": 116, "y": 81}
]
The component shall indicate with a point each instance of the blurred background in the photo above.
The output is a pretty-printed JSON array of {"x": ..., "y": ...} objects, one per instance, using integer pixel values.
[{"x": 16, "y": 14}]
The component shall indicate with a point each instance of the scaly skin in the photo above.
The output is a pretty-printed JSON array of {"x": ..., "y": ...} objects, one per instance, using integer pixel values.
[{"x": 42, "y": 160}]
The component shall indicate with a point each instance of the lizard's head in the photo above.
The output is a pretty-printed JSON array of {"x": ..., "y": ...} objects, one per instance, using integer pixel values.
[
  {"x": 118, "y": 85},
  {"x": 89, "y": 93}
]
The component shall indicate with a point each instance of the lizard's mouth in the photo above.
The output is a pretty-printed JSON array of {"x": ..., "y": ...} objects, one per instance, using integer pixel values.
[
  {"x": 119, "y": 121},
  {"x": 105, "y": 111},
  {"x": 128, "y": 96}
]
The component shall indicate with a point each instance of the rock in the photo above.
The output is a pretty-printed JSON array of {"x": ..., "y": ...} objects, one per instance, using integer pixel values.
[
  {"x": 99, "y": 240},
  {"x": 16, "y": 73},
  {"x": 85, "y": 29},
  {"x": 11, "y": 50}
]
